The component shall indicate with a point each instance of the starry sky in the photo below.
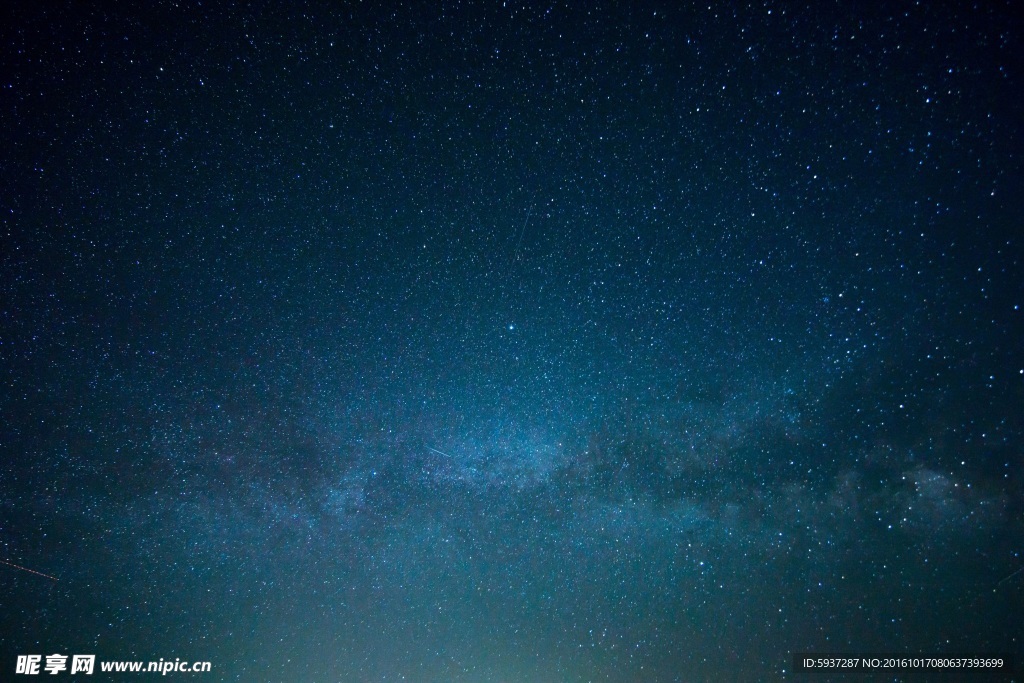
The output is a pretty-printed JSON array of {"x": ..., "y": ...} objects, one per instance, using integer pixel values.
[{"x": 491, "y": 341}]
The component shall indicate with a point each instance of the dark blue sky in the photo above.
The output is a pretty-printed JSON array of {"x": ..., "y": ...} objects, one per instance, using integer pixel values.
[{"x": 490, "y": 341}]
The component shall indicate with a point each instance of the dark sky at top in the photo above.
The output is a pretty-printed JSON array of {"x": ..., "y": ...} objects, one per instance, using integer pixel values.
[{"x": 503, "y": 342}]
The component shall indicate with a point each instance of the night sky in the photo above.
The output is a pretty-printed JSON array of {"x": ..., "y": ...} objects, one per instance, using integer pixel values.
[{"x": 501, "y": 342}]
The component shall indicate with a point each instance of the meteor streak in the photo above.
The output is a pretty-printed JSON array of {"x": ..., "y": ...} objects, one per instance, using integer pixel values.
[
  {"x": 30, "y": 571},
  {"x": 438, "y": 452},
  {"x": 1007, "y": 578}
]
